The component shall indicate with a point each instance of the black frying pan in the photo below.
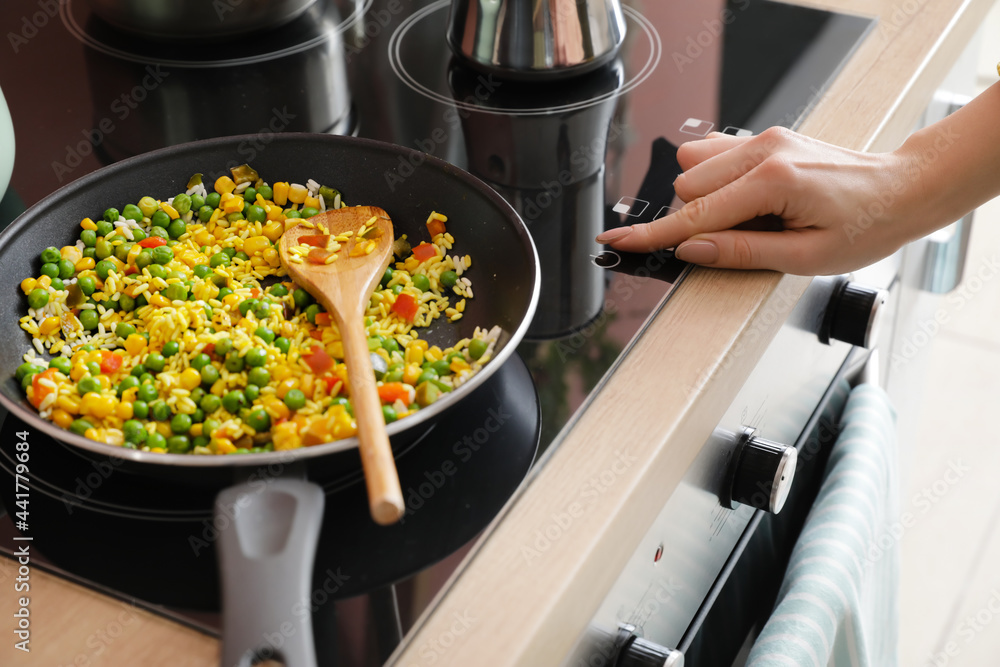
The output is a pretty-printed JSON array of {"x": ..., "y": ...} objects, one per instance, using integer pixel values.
[{"x": 408, "y": 185}]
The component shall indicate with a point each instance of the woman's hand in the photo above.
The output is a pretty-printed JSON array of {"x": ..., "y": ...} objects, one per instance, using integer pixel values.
[{"x": 839, "y": 209}]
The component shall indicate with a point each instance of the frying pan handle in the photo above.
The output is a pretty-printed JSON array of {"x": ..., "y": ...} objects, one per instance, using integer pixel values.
[{"x": 267, "y": 545}]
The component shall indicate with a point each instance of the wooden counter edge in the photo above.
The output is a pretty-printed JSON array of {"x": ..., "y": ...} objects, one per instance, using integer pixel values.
[{"x": 653, "y": 414}]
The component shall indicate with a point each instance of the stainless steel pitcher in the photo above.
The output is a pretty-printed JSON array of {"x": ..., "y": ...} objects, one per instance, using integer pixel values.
[{"x": 536, "y": 39}]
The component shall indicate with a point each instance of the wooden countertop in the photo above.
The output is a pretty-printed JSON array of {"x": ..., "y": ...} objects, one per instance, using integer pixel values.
[{"x": 505, "y": 608}]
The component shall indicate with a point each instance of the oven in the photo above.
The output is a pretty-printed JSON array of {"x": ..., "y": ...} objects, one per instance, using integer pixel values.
[{"x": 574, "y": 156}]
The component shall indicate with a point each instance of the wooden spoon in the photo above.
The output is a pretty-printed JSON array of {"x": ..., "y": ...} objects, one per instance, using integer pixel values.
[{"x": 344, "y": 288}]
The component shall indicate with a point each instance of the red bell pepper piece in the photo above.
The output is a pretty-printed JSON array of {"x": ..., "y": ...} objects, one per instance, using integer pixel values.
[
  {"x": 405, "y": 306},
  {"x": 316, "y": 334},
  {"x": 318, "y": 360},
  {"x": 318, "y": 255},
  {"x": 425, "y": 251},
  {"x": 323, "y": 319},
  {"x": 318, "y": 240},
  {"x": 435, "y": 227},
  {"x": 390, "y": 392},
  {"x": 40, "y": 391},
  {"x": 153, "y": 242},
  {"x": 333, "y": 384}
]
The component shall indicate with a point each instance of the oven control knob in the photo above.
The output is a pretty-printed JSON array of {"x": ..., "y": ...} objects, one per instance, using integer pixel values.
[
  {"x": 638, "y": 652},
  {"x": 854, "y": 314},
  {"x": 762, "y": 472}
]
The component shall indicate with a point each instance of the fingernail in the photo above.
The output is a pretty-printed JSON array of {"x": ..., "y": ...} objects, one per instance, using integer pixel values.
[
  {"x": 613, "y": 234},
  {"x": 697, "y": 252}
]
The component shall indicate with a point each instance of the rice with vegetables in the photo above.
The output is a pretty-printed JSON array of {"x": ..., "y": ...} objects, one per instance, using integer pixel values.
[{"x": 171, "y": 326}]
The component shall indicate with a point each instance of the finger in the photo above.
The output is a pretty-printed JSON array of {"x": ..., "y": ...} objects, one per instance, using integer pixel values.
[
  {"x": 722, "y": 168},
  {"x": 736, "y": 203},
  {"x": 788, "y": 251},
  {"x": 695, "y": 152}
]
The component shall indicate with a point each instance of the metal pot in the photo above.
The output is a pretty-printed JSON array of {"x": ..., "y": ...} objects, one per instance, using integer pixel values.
[{"x": 196, "y": 19}]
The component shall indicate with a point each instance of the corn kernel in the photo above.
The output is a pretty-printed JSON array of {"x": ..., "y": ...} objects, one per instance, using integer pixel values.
[
  {"x": 415, "y": 352},
  {"x": 256, "y": 244},
  {"x": 91, "y": 434},
  {"x": 312, "y": 202},
  {"x": 28, "y": 284},
  {"x": 337, "y": 349},
  {"x": 274, "y": 213},
  {"x": 44, "y": 282},
  {"x": 135, "y": 344},
  {"x": 159, "y": 301},
  {"x": 458, "y": 364},
  {"x": 233, "y": 205},
  {"x": 124, "y": 411},
  {"x": 272, "y": 257},
  {"x": 49, "y": 325},
  {"x": 285, "y": 436},
  {"x": 232, "y": 299},
  {"x": 411, "y": 373},
  {"x": 62, "y": 418},
  {"x": 273, "y": 230},
  {"x": 279, "y": 194},
  {"x": 297, "y": 193},
  {"x": 190, "y": 378},
  {"x": 224, "y": 185},
  {"x": 433, "y": 353},
  {"x": 222, "y": 445},
  {"x": 97, "y": 405},
  {"x": 169, "y": 210},
  {"x": 285, "y": 385},
  {"x": 71, "y": 253},
  {"x": 204, "y": 237},
  {"x": 197, "y": 429},
  {"x": 70, "y": 404},
  {"x": 133, "y": 253},
  {"x": 87, "y": 223}
]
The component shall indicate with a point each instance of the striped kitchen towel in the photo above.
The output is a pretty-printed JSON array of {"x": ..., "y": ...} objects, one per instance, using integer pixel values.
[{"x": 838, "y": 602}]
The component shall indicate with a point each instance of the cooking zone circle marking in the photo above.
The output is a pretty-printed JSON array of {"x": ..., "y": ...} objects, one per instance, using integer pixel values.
[
  {"x": 396, "y": 61},
  {"x": 71, "y": 20}
]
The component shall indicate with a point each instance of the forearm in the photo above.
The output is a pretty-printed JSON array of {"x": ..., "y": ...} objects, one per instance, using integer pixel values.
[{"x": 954, "y": 164}]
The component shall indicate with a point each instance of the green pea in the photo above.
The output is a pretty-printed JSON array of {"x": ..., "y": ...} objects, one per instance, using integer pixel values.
[
  {"x": 309, "y": 212},
  {"x": 66, "y": 269},
  {"x": 89, "y": 237},
  {"x": 161, "y": 232},
  {"x": 242, "y": 255},
  {"x": 57, "y": 284},
  {"x": 170, "y": 348},
  {"x": 178, "y": 444},
  {"x": 104, "y": 267},
  {"x": 387, "y": 276},
  {"x": 200, "y": 361},
  {"x": 89, "y": 319},
  {"x": 234, "y": 217},
  {"x": 201, "y": 270},
  {"x": 111, "y": 214},
  {"x": 156, "y": 441},
  {"x": 233, "y": 401},
  {"x": 265, "y": 191},
  {"x": 132, "y": 212},
  {"x": 181, "y": 203},
  {"x": 176, "y": 228},
  {"x": 390, "y": 345},
  {"x": 50, "y": 255},
  {"x": 27, "y": 368},
  {"x": 302, "y": 298},
  {"x": 264, "y": 334},
  {"x": 341, "y": 400},
  {"x": 213, "y": 199},
  {"x": 223, "y": 346},
  {"x": 180, "y": 423},
  {"x": 210, "y": 403},
  {"x": 477, "y": 348},
  {"x": 255, "y": 356},
  {"x": 144, "y": 258},
  {"x": 124, "y": 330},
  {"x": 210, "y": 426},
  {"x": 291, "y": 213},
  {"x": 259, "y": 376},
  {"x": 90, "y": 253},
  {"x": 154, "y": 362},
  {"x": 128, "y": 382},
  {"x": 126, "y": 303},
  {"x": 234, "y": 362},
  {"x": 140, "y": 409},
  {"x": 87, "y": 384},
  {"x": 176, "y": 292},
  {"x": 295, "y": 399},
  {"x": 160, "y": 218},
  {"x": 256, "y": 213},
  {"x": 397, "y": 289},
  {"x": 50, "y": 269},
  {"x": 198, "y": 416},
  {"x": 449, "y": 278},
  {"x": 427, "y": 376},
  {"x": 88, "y": 348},
  {"x": 258, "y": 420},
  {"x": 282, "y": 344},
  {"x": 87, "y": 284},
  {"x": 441, "y": 367},
  {"x": 205, "y": 213},
  {"x": 137, "y": 370},
  {"x": 80, "y": 426},
  {"x": 104, "y": 228},
  {"x": 421, "y": 282},
  {"x": 394, "y": 375},
  {"x": 246, "y": 306},
  {"x": 262, "y": 310},
  {"x": 197, "y": 201},
  {"x": 158, "y": 271},
  {"x": 121, "y": 251},
  {"x": 147, "y": 206},
  {"x": 38, "y": 298},
  {"x": 223, "y": 293},
  {"x": 252, "y": 392},
  {"x": 209, "y": 374},
  {"x": 147, "y": 392},
  {"x": 141, "y": 301},
  {"x": 278, "y": 290},
  {"x": 389, "y": 414},
  {"x": 138, "y": 235},
  {"x": 311, "y": 313},
  {"x": 219, "y": 259},
  {"x": 61, "y": 364},
  {"x": 162, "y": 254},
  {"x": 134, "y": 431},
  {"x": 147, "y": 378},
  {"x": 160, "y": 411}
]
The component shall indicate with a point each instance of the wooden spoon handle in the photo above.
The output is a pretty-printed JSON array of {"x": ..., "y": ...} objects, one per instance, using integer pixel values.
[{"x": 385, "y": 497}]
